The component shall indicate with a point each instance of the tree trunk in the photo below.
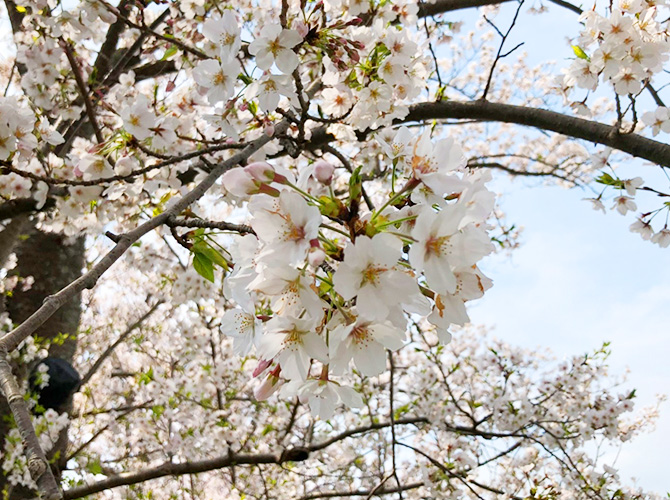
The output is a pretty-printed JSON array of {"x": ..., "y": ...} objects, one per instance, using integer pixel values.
[{"x": 54, "y": 261}]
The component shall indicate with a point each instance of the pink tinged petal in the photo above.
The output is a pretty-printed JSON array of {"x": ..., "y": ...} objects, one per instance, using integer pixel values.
[
  {"x": 388, "y": 336},
  {"x": 339, "y": 357},
  {"x": 370, "y": 304},
  {"x": 315, "y": 346},
  {"x": 347, "y": 281},
  {"x": 417, "y": 255},
  {"x": 289, "y": 38},
  {"x": 287, "y": 61},
  {"x": 370, "y": 360},
  {"x": 324, "y": 404},
  {"x": 350, "y": 397},
  {"x": 386, "y": 249},
  {"x": 270, "y": 345},
  {"x": 268, "y": 101},
  {"x": 294, "y": 362},
  {"x": 439, "y": 275},
  {"x": 271, "y": 31},
  {"x": 256, "y": 46},
  {"x": 264, "y": 60}
]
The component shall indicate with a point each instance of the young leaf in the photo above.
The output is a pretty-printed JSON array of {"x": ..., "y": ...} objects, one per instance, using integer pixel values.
[{"x": 203, "y": 266}]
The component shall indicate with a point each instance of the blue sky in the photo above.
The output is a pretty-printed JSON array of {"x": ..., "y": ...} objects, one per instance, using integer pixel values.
[{"x": 580, "y": 277}]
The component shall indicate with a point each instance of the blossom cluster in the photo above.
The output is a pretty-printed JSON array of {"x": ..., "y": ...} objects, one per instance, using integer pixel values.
[
  {"x": 316, "y": 297},
  {"x": 630, "y": 47},
  {"x": 624, "y": 202}
]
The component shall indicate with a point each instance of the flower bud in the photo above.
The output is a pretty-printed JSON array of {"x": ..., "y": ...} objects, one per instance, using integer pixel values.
[
  {"x": 262, "y": 365},
  {"x": 268, "y": 387},
  {"x": 316, "y": 256},
  {"x": 301, "y": 28},
  {"x": 323, "y": 172},
  {"x": 239, "y": 182},
  {"x": 261, "y": 171}
]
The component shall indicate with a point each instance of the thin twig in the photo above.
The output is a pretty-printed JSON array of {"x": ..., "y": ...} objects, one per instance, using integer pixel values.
[
  {"x": 81, "y": 85},
  {"x": 500, "y": 55},
  {"x": 101, "y": 359}
]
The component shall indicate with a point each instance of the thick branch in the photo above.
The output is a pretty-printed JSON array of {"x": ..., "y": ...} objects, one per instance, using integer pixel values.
[
  {"x": 172, "y": 469},
  {"x": 442, "y": 6},
  {"x": 599, "y": 133},
  {"x": 362, "y": 493}
]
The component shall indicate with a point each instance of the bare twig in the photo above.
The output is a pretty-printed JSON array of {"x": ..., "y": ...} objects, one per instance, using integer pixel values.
[
  {"x": 500, "y": 55},
  {"x": 207, "y": 224},
  {"x": 81, "y": 85}
]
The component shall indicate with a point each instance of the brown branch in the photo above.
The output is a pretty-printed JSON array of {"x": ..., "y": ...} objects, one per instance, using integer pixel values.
[
  {"x": 362, "y": 493},
  {"x": 442, "y": 6},
  {"x": 108, "y": 48},
  {"x": 207, "y": 224},
  {"x": 37, "y": 461},
  {"x": 511, "y": 171},
  {"x": 570, "y": 126},
  {"x": 168, "y": 160},
  {"x": 229, "y": 460},
  {"x": 83, "y": 90}
]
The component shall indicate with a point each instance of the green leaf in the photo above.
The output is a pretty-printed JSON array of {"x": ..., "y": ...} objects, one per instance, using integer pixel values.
[
  {"x": 203, "y": 266},
  {"x": 579, "y": 52},
  {"x": 210, "y": 253},
  {"x": 94, "y": 467},
  {"x": 608, "y": 180},
  {"x": 172, "y": 50},
  {"x": 158, "y": 410}
]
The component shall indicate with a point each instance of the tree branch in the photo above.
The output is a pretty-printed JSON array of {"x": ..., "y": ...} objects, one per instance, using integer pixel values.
[
  {"x": 596, "y": 132},
  {"x": 229, "y": 460},
  {"x": 362, "y": 493},
  {"x": 83, "y": 90},
  {"x": 208, "y": 224}
]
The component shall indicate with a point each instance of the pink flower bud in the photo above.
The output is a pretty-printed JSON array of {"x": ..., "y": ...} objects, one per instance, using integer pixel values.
[
  {"x": 267, "y": 387},
  {"x": 323, "y": 172},
  {"x": 239, "y": 182},
  {"x": 170, "y": 86},
  {"x": 301, "y": 28},
  {"x": 316, "y": 256},
  {"x": 262, "y": 365},
  {"x": 261, "y": 171},
  {"x": 269, "y": 129}
]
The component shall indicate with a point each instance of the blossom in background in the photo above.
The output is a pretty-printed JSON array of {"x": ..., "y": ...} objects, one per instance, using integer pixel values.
[
  {"x": 275, "y": 45},
  {"x": 224, "y": 32},
  {"x": 218, "y": 78}
]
